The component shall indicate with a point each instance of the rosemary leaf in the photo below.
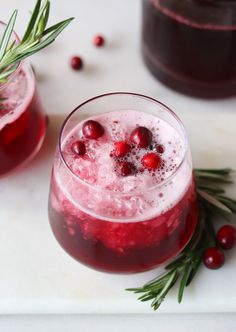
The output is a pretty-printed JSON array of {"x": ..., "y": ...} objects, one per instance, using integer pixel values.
[
  {"x": 42, "y": 20},
  {"x": 167, "y": 287},
  {"x": 213, "y": 201},
  {"x": 32, "y": 21},
  {"x": 211, "y": 189},
  {"x": 7, "y": 34},
  {"x": 196, "y": 264},
  {"x": 214, "y": 178},
  {"x": 184, "y": 280},
  {"x": 221, "y": 172}
]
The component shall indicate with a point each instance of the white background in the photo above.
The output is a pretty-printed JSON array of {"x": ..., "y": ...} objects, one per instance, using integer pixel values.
[{"x": 36, "y": 276}]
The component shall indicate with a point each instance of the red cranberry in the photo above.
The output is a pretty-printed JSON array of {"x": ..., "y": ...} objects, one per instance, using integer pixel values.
[
  {"x": 121, "y": 149},
  {"x": 92, "y": 129},
  {"x": 141, "y": 136},
  {"x": 124, "y": 168},
  {"x": 76, "y": 63},
  {"x": 213, "y": 258},
  {"x": 226, "y": 237},
  {"x": 151, "y": 161},
  {"x": 160, "y": 148},
  {"x": 78, "y": 148},
  {"x": 98, "y": 41}
]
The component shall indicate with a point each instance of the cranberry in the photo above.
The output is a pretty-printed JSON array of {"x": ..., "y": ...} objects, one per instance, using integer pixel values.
[
  {"x": 141, "y": 136},
  {"x": 226, "y": 237},
  {"x": 92, "y": 129},
  {"x": 78, "y": 148},
  {"x": 160, "y": 148},
  {"x": 124, "y": 168},
  {"x": 76, "y": 63},
  {"x": 121, "y": 148},
  {"x": 98, "y": 41},
  {"x": 213, "y": 258},
  {"x": 151, "y": 161}
]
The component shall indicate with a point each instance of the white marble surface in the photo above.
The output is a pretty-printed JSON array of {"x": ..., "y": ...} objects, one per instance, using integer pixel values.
[
  {"x": 101, "y": 323},
  {"x": 36, "y": 276}
]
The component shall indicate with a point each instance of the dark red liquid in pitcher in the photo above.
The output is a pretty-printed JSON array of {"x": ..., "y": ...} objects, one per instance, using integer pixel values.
[{"x": 188, "y": 52}]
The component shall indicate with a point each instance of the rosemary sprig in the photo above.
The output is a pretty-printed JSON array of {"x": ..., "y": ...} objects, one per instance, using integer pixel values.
[
  {"x": 36, "y": 37},
  {"x": 212, "y": 202}
]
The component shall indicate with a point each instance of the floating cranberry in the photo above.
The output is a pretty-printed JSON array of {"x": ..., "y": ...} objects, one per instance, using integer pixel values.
[
  {"x": 92, "y": 129},
  {"x": 78, "y": 148},
  {"x": 213, "y": 258},
  {"x": 160, "y": 148},
  {"x": 124, "y": 168},
  {"x": 151, "y": 161},
  {"x": 76, "y": 63},
  {"x": 98, "y": 41},
  {"x": 121, "y": 148},
  {"x": 226, "y": 237},
  {"x": 141, "y": 136}
]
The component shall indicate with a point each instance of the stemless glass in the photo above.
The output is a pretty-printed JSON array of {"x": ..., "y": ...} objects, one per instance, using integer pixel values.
[
  {"x": 22, "y": 120},
  {"x": 190, "y": 45},
  {"x": 94, "y": 225}
]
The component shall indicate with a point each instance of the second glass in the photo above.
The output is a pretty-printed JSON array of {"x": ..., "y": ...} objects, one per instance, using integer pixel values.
[
  {"x": 120, "y": 222},
  {"x": 22, "y": 118}
]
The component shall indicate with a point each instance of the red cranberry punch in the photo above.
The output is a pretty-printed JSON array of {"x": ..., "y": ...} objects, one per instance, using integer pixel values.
[
  {"x": 122, "y": 196},
  {"x": 22, "y": 120},
  {"x": 190, "y": 45}
]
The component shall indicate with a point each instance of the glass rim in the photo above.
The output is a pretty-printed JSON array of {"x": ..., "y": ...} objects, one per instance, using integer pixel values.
[
  {"x": 19, "y": 64},
  {"x": 150, "y": 99}
]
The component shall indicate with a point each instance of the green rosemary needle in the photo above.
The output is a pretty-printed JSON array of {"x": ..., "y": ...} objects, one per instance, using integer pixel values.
[
  {"x": 36, "y": 37},
  {"x": 212, "y": 202}
]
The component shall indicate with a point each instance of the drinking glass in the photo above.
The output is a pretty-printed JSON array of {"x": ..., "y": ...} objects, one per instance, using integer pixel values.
[
  {"x": 114, "y": 231},
  {"x": 22, "y": 119}
]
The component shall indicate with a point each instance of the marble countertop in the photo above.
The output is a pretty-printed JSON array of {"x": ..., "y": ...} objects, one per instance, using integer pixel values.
[{"x": 37, "y": 277}]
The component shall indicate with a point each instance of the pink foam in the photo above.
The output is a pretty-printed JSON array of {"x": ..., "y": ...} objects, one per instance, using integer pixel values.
[
  {"x": 93, "y": 186},
  {"x": 97, "y": 167}
]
